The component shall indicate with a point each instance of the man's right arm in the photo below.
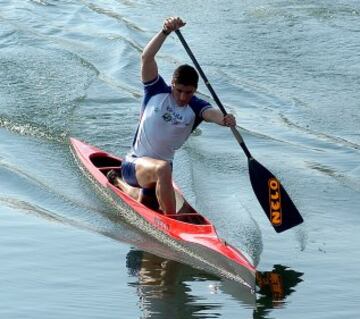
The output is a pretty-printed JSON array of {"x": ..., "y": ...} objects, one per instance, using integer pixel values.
[{"x": 149, "y": 69}]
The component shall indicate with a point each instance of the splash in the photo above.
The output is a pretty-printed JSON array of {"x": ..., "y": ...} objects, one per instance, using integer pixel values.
[{"x": 34, "y": 130}]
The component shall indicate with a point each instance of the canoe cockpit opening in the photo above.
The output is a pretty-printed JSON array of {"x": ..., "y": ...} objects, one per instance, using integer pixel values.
[
  {"x": 105, "y": 163},
  {"x": 103, "y": 160},
  {"x": 195, "y": 219}
]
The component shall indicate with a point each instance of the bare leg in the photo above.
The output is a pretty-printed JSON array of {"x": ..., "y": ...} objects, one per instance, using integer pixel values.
[
  {"x": 152, "y": 172},
  {"x": 133, "y": 192}
]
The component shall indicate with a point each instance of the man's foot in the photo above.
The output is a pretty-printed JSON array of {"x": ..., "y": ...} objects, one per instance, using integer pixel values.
[{"x": 112, "y": 175}]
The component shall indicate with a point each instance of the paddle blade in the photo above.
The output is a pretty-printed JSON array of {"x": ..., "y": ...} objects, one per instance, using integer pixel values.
[{"x": 273, "y": 198}]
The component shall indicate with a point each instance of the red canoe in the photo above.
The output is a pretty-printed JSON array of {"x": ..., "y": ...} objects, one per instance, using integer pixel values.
[{"x": 191, "y": 231}]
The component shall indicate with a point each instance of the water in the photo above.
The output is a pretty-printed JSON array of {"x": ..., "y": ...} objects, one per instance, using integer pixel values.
[{"x": 289, "y": 70}]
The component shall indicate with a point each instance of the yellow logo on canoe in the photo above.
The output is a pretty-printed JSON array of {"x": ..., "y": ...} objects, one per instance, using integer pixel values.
[{"x": 275, "y": 202}]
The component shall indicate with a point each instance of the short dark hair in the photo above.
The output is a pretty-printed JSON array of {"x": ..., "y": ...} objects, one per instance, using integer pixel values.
[{"x": 186, "y": 75}]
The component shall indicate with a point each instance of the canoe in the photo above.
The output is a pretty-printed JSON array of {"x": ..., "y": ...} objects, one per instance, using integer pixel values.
[{"x": 190, "y": 232}]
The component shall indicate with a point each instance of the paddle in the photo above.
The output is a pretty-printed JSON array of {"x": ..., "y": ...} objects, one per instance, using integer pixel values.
[{"x": 272, "y": 196}]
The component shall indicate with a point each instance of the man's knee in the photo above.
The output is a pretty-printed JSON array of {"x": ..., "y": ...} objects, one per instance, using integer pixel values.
[
  {"x": 150, "y": 171},
  {"x": 163, "y": 169}
]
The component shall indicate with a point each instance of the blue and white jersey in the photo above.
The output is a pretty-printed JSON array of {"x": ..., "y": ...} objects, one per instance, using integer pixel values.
[{"x": 164, "y": 126}]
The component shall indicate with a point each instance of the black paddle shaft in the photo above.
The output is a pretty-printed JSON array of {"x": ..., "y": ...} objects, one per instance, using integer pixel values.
[
  {"x": 236, "y": 133},
  {"x": 276, "y": 203}
]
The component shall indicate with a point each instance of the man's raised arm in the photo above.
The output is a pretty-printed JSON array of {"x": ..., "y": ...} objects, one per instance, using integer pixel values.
[{"x": 149, "y": 69}]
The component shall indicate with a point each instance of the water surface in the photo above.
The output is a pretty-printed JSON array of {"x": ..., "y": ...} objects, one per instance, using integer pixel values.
[{"x": 288, "y": 70}]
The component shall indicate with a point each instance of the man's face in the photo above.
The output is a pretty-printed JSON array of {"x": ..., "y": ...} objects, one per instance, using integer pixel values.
[{"x": 182, "y": 93}]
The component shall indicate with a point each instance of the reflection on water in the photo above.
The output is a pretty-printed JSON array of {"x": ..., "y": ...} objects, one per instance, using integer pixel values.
[
  {"x": 273, "y": 288},
  {"x": 162, "y": 287},
  {"x": 164, "y": 291}
]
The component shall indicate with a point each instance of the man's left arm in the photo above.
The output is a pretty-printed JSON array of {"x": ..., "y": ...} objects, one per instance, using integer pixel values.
[{"x": 216, "y": 116}]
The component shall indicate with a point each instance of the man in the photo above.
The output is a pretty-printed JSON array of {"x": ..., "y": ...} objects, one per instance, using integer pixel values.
[{"x": 169, "y": 114}]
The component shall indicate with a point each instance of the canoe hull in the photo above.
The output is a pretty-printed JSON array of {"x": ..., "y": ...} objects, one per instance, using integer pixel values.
[{"x": 191, "y": 235}]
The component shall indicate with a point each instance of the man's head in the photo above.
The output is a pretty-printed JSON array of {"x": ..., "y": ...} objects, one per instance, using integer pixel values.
[{"x": 184, "y": 84}]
